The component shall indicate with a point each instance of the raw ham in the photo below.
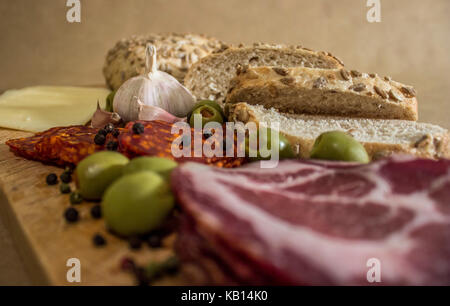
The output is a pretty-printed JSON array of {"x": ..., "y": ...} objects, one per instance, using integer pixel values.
[{"x": 317, "y": 223}]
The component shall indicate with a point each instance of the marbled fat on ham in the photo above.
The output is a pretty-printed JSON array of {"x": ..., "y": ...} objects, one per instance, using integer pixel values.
[{"x": 317, "y": 223}]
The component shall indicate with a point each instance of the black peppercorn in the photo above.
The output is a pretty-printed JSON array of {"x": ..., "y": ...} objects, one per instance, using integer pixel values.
[
  {"x": 96, "y": 211},
  {"x": 116, "y": 133},
  {"x": 109, "y": 128},
  {"x": 98, "y": 240},
  {"x": 75, "y": 198},
  {"x": 135, "y": 243},
  {"x": 99, "y": 139},
  {"x": 51, "y": 179},
  {"x": 71, "y": 215},
  {"x": 64, "y": 188},
  {"x": 154, "y": 241},
  {"x": 206, "y": 135},
  {"x": 66, "y": 177},
  {"x": 69, "y": 170},
  {"x": 112, "y": 146},
  {"x": 102, "y": 132},
  {"x": 138, "y": 128}
]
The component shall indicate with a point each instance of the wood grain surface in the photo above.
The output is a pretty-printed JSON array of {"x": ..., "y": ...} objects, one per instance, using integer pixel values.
[{"x": 34, "y": 213}]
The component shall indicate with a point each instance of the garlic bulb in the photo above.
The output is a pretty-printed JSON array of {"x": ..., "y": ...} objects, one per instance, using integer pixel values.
[{"x": 155, "y": 88}]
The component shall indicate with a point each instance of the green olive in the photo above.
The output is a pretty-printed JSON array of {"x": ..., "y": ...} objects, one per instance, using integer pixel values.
[
  {"x": 338, "y": 145},
  {"x": 137, "y": 203},
  {"x": 109, "y": 102},
  {"x": 160, "y": 165},
  {"x": 208, "y": 114},
  {"x": 206, "y": 102},
  {"x": 97, "y": 171},
  {"x": 284, "y": 147}
]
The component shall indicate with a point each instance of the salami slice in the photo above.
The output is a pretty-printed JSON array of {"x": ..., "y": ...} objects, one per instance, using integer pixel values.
[
  {"x": 26, "y": 147},
  {"x": 69, "y": 145},
  {"x": 60, "y": 145},
  {"x": 158, "y": 139}
]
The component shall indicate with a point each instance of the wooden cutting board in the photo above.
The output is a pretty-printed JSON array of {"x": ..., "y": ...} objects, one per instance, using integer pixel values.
[{"x": 34, "y": 213}]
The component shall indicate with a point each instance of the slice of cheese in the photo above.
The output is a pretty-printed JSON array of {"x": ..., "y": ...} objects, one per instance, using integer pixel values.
[{"x": 39, "y": 108}]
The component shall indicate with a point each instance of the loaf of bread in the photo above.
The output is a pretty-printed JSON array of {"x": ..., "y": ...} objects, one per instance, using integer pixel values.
[
  {"x": 335, "y": 92},
  {"x": 209, "y": 77},
  {"x": 175, "y": 54},
  {"x": 380, "y": 137}
]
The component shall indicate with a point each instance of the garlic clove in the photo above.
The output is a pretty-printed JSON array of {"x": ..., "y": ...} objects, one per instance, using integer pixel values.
[
  {"x": 166, "y": 92},
  {"x": 150, "y": 112},
  {"x": 102, "y": 118}
]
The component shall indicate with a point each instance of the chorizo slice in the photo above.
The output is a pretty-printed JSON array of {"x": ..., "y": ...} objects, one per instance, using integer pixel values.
[{"x": 158, "y": 139}]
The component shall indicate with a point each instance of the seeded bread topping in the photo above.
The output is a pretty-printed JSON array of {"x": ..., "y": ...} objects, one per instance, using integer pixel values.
[
  {"x": 210, "y": 77},
  {"x": 175, "y": 54},
  {"x": 312, "y": 91}
]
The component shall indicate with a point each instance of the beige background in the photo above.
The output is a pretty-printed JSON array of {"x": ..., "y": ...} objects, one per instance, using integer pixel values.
[{"x": 411, "y": 44}]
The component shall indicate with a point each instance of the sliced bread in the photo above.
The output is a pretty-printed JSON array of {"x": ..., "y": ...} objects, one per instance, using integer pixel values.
[
  {"x": 175, "y": 52},
  {"x": 335, "y": 92},
  {"x": 380, "y": 137},
  {"x": 209, "y": 77}
]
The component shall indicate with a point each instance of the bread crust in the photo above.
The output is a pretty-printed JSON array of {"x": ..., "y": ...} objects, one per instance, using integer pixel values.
[
  {"x": 430, "y": 146},
  {"x": 336, "y": 92},
  {"x": 227, "y": 62},
  {"x": 175, "y": 54}
]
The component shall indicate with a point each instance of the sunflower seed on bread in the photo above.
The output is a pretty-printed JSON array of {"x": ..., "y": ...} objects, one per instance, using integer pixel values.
[
  {"x": 331, "y": 92},
  {"x": 210, "y": 77}
]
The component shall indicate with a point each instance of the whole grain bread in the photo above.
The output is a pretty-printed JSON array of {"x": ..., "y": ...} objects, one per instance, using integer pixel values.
[
  {"x": 334, "y": 92},
  {"x": 175, "y": 54},
  {"x": 380, "y": 137},
  {"x": 209, "y": 77}
]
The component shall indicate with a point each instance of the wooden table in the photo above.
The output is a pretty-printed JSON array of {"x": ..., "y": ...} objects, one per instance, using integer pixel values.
[{"x": 34, "y": 214}]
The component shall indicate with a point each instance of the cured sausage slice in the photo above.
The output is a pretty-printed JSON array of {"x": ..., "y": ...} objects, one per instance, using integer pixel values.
[
  {"x": 158, "y": 139},
  {"x": 69, "y": 145},
  {"x": 25, "y": 147},
  {"x": 59, "y": 145}
]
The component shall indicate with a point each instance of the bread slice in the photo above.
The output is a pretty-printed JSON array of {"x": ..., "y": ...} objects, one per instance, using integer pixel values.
[
  {"x": 175, "y": 54},
  {"x": 209, "y": 77},
  {"x": 336, "y": 92},
  {"x": 380, "y": 137}
]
